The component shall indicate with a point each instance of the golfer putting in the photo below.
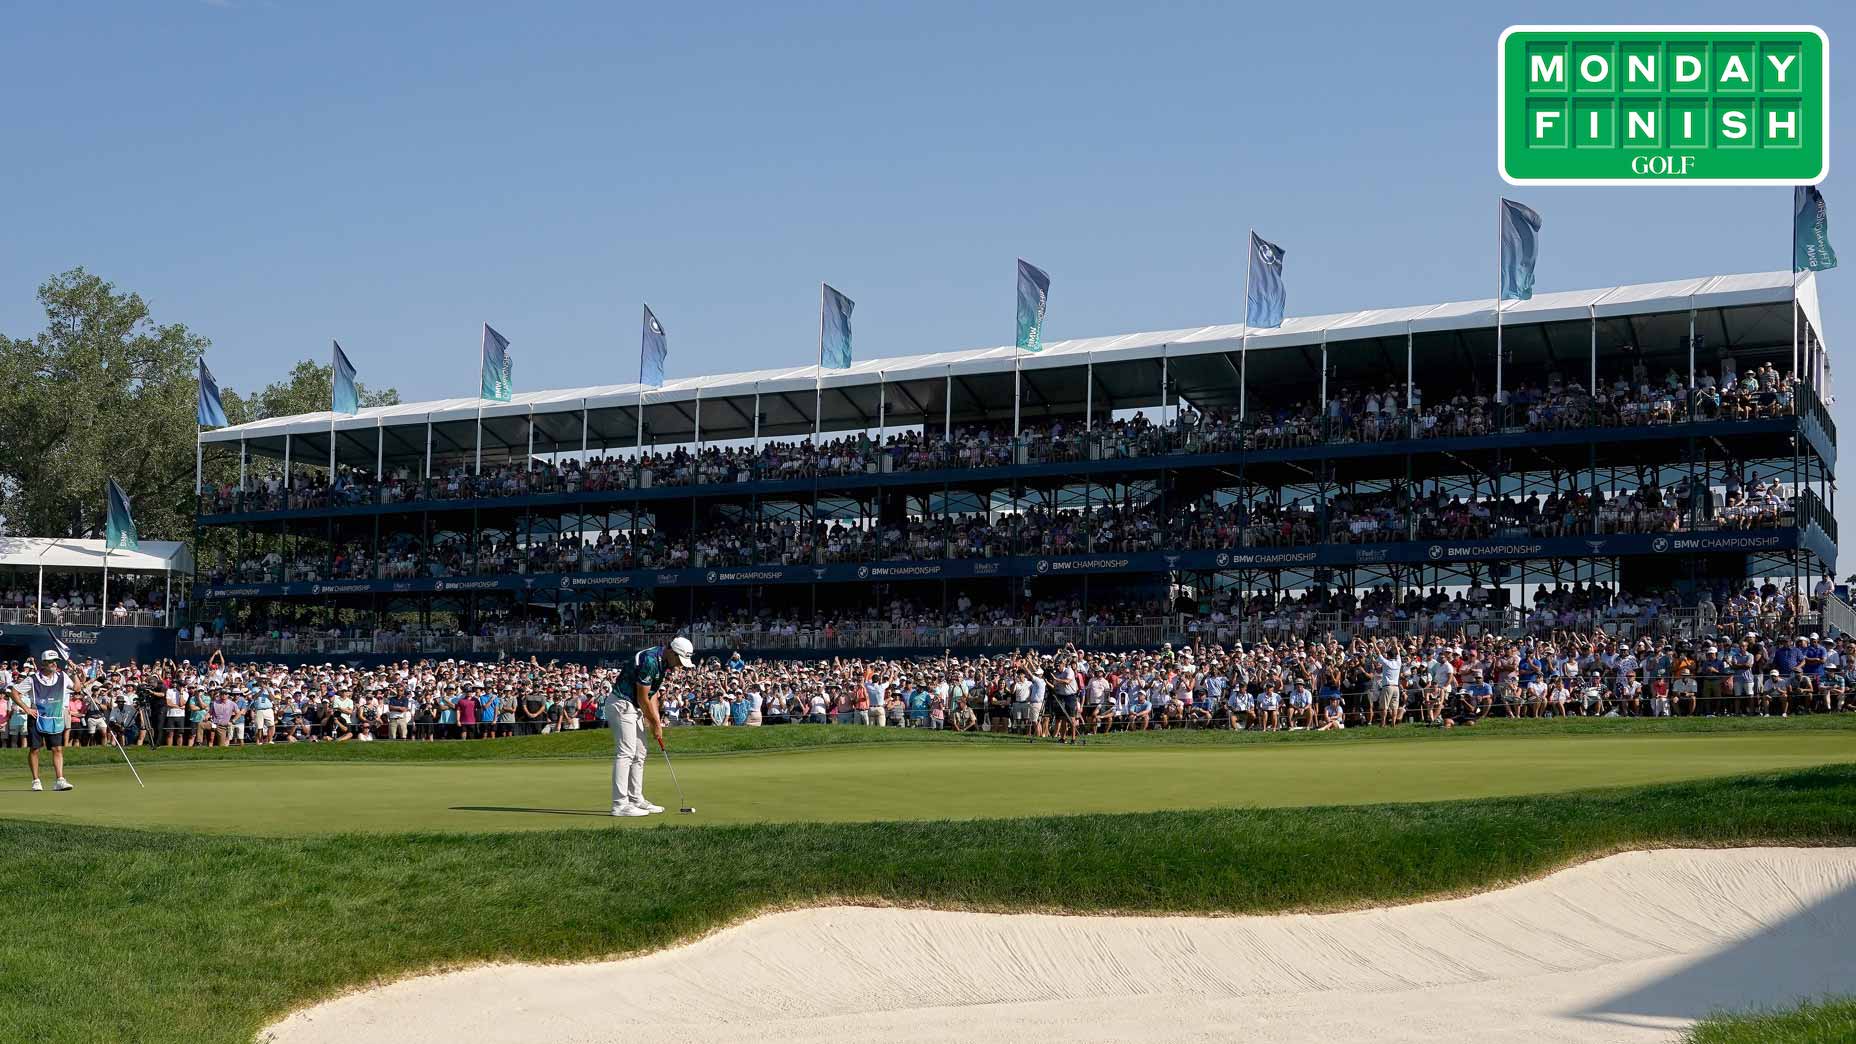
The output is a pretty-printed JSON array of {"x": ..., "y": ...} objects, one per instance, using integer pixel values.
[{"x": 632, "y": 714}]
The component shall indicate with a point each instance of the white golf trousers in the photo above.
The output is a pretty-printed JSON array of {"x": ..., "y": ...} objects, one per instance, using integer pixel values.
[{"x": 629, "y": 752}]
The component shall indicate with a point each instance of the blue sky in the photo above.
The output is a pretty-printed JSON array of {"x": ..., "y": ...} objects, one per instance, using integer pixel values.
[{"x": 391, "y": 174}]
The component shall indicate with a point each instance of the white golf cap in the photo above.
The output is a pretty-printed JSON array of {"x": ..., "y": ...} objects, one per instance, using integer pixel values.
[
  {"x": 683, "y": 650},
  {"x": 49, "y": 656}
]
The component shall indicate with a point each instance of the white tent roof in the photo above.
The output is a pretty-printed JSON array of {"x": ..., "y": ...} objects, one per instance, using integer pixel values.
[
  {"x": 1720, "y": 291},
  {"x": 155, "y": 556}
]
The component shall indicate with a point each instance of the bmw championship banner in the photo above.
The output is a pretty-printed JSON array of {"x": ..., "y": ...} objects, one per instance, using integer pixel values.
[
  {"x": 343, "y": 396},
  {"x": 652, "y": 351},
  {"x": 1033, "y": 295},
  {"x": 209, "y": 413},
  {"x": 1520, "y": 240},
  {"x": 1811, "y": 231},
  {"x": 497, "y": 366},
  {"x": 1265, "y": 294},
  {"x": 119, "y": 525},
  {"x": 834, "y": 329}
]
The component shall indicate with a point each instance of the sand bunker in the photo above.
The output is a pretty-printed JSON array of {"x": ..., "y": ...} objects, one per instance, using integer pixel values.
[{"x": 1629, "y": 948}]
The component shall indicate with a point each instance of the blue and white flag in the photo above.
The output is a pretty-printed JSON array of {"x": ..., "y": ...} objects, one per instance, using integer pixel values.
[
  {"x": 497, "y": 366},
  {"x": 834, "y": 329},
  {"x": 1267, "y": 295},
  {"x": 1033, "y": 295},
  {"x": 1811, "y": 231},
  {"x": 1520, "y": 236},
  {"x": 64, "y": 651},
  {"x": 652, "y": 352},
  {"x": 209, "y": 413},
  {"x": 119, "y": 525},
  {"x": 344, "y": 397}
]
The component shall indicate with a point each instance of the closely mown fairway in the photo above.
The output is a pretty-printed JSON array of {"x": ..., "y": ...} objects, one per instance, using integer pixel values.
[{"x": 837, "y": 774}]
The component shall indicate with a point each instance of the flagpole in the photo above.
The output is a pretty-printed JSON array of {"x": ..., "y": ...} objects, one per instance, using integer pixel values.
[
  {"x": 1017, "y": 383},
  {"x": 640, "y": 455},
  {"x": 1243, "y": 351},
  {"x": 335, "y": 375},
  {"x": 1499, "y": 419},
  {"x": 1792, "y": 267},
  {"x": 818, "y": 372}
]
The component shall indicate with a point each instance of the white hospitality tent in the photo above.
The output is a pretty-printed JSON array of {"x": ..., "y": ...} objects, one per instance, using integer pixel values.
[{"x": 37, "y": 555}]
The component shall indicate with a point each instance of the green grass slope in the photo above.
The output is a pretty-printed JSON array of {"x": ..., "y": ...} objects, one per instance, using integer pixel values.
[
  {"x": 166, "y": 936},
  {"x": 1825, "y": 1022}
]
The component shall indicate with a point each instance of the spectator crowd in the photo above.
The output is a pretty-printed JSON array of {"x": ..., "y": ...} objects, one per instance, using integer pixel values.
[
  {"x": 1070, "y": 693},
  {"x": 1349, "y": 415}
]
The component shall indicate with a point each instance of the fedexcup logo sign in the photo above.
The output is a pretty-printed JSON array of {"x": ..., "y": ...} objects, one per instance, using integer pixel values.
[{"x": 1662, "y": 104}]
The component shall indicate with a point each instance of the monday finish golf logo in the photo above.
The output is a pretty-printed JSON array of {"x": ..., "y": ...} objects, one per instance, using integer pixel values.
[{"x": 1663, "y": 104}]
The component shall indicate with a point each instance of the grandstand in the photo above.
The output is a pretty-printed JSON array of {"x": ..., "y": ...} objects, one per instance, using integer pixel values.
[
  {"x": 114, "y": 603},
  {"x": 1634, "y": 458}
]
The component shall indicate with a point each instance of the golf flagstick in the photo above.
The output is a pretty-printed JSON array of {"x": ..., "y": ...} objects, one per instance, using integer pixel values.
[
  {"x": 684, "y": 805},
  {"x": 125, "y": 758}
]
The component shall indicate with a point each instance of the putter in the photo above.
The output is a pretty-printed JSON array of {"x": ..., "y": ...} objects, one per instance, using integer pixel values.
[{"x": 686, "y": 808}]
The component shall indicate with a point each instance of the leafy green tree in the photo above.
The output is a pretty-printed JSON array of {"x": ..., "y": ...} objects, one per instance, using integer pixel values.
[
  {"x": 306, "y": 390},
  {"x": 105, "y": 391},
  {"x": 102, "y": 390}
]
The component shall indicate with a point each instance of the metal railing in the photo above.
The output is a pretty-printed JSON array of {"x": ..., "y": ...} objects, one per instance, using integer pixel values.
[
  {"x": 1811, "y": 510},
  {"x": 1666, "y": 623},
  {"x": 90, "y": 617},
  {"x": 1837, "y": 617},
  {"x": 710, "y": 641}
]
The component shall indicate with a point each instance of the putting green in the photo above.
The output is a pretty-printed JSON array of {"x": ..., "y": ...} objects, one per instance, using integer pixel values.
[{"x": 943, "y": 780}]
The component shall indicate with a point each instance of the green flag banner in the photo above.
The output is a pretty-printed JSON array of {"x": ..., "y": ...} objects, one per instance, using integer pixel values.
[{"x": 119, "y": 525}]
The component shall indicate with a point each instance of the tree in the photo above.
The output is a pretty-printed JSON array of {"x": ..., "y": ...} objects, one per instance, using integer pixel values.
[
  {"x": 102, "y": 390},
  {"x": 105, "y": 391},
  {"x": 306, "y": 390}
]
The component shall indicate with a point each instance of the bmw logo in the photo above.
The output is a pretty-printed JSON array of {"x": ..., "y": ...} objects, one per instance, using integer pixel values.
[
  {"x": 711, "y": 576},
  {"x": 1223, "y": 559},
  {"x": 1043, "y": 565},
  {"x": 1437, "y": 551},
  {"x": 863, "y": 572},
  {"x": 1660, "y": 544}
]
